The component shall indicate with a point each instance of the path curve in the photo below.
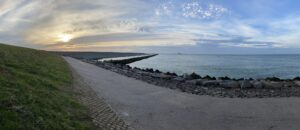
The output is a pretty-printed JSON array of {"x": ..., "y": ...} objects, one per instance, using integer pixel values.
[{"x": 149, "y": 107}]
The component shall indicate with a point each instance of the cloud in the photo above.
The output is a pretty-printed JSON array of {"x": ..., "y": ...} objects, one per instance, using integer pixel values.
[
  {"x": 127, "y": 40},
  {"x": 197, "y": 10},
  {"x": 193, "y": 9},
  {"x": 79, "y": 18},
  {"x": 165, "y": 9},
  {"x": 111, "y": 23}
]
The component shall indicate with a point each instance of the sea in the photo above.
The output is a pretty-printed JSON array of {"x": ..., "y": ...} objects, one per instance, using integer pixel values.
[{"x": 234, "y": 66}]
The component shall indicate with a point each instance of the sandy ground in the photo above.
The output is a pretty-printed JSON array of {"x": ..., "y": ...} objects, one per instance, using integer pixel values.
[{"x": 149, "y": 107}]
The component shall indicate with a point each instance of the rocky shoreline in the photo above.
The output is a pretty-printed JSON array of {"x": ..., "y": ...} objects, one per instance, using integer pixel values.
[{"x": 218, "y": 87}]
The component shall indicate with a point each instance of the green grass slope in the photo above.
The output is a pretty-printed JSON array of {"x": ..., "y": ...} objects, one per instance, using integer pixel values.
[{"x": 35, "y": 91}]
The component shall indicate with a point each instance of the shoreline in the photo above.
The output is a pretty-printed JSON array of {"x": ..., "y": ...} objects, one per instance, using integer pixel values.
[
  {"x": 233, "y": 66},
  {"x": 218, "y": 87},
  {"x": 132, "y": 98}
]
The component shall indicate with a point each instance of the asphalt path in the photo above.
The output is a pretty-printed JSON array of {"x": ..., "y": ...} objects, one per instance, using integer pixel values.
[{"x": 149, "y": 107}]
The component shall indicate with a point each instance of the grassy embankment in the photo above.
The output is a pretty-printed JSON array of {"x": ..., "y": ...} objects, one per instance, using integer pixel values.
[{"x": 36, "y": 93}]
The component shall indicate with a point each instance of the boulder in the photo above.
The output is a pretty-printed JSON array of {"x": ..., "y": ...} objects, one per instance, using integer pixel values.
[
  {"x": 230, "y": 84},
  {"x": 190, "y": 76},
  {"x": 198, "y": 82},
  {"x": 141, "y": 72},
  {"x": 297, "y": 83},
  {"x": 210, "y": 83},
  {"x": 171, "y": 74},
  {"x": 246, "y": 84},
  {"x": 272, "y": 84},
  {"x": 297, "y": 79},
  {"x": 209, "y": 78},
  {"x": 161, "y": 76},
  {"x": 240, "y": 79},
  {"x": 290, "y": 84},
  {"x": 126, "y": 67},
  {"x": 186, "y": 76},
  {"x": 273, "y": 79},
  {"x": 193, "y": 82},
  {"x": 135, "y": 68},
  {"x": 257, "y": 84},
  {"x": 224, "y": 78},
  {"x": 149, "y": 70},
  {"x": 119, "y": 66},
  {"x": 179, "y": 79},
  {"x": 157, "y": 71},
  {"x": 195, "y": 76}
]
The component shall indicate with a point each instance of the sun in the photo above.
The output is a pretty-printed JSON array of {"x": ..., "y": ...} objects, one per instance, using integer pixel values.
[{"x": 65, "y": 37}]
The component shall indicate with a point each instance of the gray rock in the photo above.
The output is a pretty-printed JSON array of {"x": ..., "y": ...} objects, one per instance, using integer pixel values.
[
  {"x": 198, "y": 82},
  {"x": 125, "y": 67},
  {"x": 118, "y": 65},
  {"x": 193, "y": 82},
  {"x": 230, "y": 84},
  {"x": 272, "y": 84},
  {"x": 160, "y": 75},
  {"x": 179, "y": 79},
  {"x": 257, "y": 84},
  {"x": 289, "y": 84},
  {"x": 187, "y": 76},
  {"x": 246, "y": 84},
  {"x": 297, "y": 83},
  {"x": 114, "y": 70},
  {"x": 210, "y": 83}
]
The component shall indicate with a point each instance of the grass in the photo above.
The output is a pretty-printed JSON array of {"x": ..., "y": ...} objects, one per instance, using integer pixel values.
[{"x": 36, "y": 93}]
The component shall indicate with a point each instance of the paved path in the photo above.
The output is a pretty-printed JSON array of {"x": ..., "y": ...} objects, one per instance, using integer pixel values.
[
  {"x": 103, "y": 116},
  {"x": 149, "y": 107}
]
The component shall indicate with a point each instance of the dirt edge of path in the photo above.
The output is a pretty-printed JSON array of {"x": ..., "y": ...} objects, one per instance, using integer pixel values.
[{"x": 103, "y": 116}]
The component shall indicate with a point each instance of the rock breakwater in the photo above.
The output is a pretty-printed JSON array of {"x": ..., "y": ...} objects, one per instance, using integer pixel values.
[{"x": 213, "y": 86}]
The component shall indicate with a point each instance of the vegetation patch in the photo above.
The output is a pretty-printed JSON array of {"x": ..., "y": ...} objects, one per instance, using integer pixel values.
[{"x": 36, "y": 92}]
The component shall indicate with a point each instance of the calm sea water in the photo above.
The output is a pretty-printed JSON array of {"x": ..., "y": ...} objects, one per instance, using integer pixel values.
[{"x": 235, "y": 66}]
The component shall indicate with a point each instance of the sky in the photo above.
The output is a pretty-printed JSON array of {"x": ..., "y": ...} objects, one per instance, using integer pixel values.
[{"x": 153, "y": 26}]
